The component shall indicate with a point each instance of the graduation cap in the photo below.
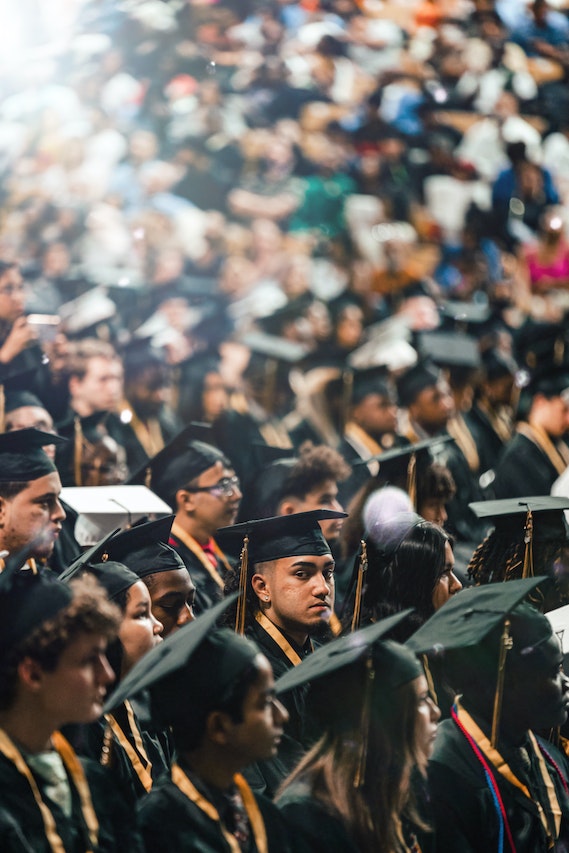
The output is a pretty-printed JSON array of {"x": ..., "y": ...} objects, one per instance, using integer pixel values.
[
  {"x": 175, "y": 654},
  {"x": 528, "y": 520},
  {"x": 422, "y": 375},
  {"x": 87, "y": 313},
  {"x": 538, "y": 343},
  {"x": 29, "y": 597},
  {"x": 387, "y": 344},
  {"x": 354, "y": 384},
  {"x": 22, "y": 457},
  {"x": 384, "y": 663},
  {"x": 270, "y": 362},
  {"x": 266, "y": 539},
  {"x": 143, "y": 548},
  {"x": 102, "y": 509},
  {"x": 463, "y": 316},
  {"x": 478, "y": 616},
  {"x": 138, "y": 355},
  {"x": 187, "y": 456},
  {"x": 18, "y": 399},
  {"x": 449, "y": 349},
  {"x": 549, "y": 381},
  {"x": 497, "y": 364}
]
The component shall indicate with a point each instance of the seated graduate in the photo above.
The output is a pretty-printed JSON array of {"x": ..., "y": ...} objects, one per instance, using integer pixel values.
[
  {"x": 352, "y": 791},
  {"x": 216, "y": 691},
  {"x": 495, "y": 784},
  {"x": 286, "y": 583},
  {"x": 54, "y": 671},
  {"x": 136, "y": 755}
]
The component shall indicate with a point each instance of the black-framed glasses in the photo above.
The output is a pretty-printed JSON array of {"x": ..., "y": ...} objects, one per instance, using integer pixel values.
[{"x": 225, "y": 488}]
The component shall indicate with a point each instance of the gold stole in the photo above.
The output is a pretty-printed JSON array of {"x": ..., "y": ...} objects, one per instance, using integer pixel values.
[
  {"x": 143, "y": 771},
  {"x": 73, "y": 766},
  {"x": 498, "y": 422},
  {"x": 194, "y": 546},
  {"x": 182, "y": 782},
  {"x": 30, "y": 563},
  {"x": 505, "y": 770},
  {"x": 148, "y": 433},
  {"x": 457, "y": 428},
  {"x": 558, "y": 454},
  {"x": 279, "y": 638},
  {"x": 361, "y": 439}
]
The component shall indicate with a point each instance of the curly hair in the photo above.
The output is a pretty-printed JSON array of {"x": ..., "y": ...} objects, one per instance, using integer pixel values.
[{"x": 89, "y": 612}]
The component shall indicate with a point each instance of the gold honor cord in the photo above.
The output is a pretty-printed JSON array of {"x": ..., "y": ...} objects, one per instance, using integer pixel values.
[
  {"x": 463, "y": 437},
  {"x": 149, "y": 434},
  {"x": 539, "y": 437},
  {"x": 281, "y": 641},
  {"x": 143, "y": 772},
  {"x": 242, "y": 600},
  {"x": 497, "y": 421},
  {"x": 362, "y": 569},
  {"x": 182, "y": 782},
  {"x": 194, "y": 546},
  {"x": 505, "y": 770},
  {"x": 73, "y": 766}
]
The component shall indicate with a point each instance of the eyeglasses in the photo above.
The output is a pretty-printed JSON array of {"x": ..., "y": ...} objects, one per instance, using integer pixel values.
[{"x": 225, "y": 488}]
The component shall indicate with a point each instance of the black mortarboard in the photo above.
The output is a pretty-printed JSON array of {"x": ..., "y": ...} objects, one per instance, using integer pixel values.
[
  {"x": 449, "y": 349},
  {"x": 496, "y": 364},
  {"x": 262, "y": 498},
  {"x": 18, "y": 399},
  {"x": 138, "y": 355},
  {"x": 142, "y": 548},
  {"x": 472, "y": 317},
  {"x": 271, "y": 360},
  {"x": 89, "y": 555},
  {"x": 28, "y": 599},
  {"x": 22, "y": 457},
  {"x": 510, "y": 516},
  {"x": 549, "y": 381},
  {"x": 343, "y": 651},
  {"x": 538, "y": 343},
  {"x": 273, "y": 538},
  {"x": 90, "y": 314},
  {"x": 185, "y": 457},
  {"x": 172, "y": 655},
  {"x": 422, "y": 375},
  {"x": 114, "y": 577}
]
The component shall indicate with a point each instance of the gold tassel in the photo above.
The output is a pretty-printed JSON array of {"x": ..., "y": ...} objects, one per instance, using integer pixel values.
[
  {"x": 362, "y": 569},
  {"x": 2, "y": 409},
  {"x": 506, "y": 643},
  {"x": 241, "y": 601},
  {"x": 359, "y": 778},
  {"x": 527, "y": 571},
  {"x": 429, "y": 677},
  {"x": 77, "y": 451},
  {"x": 347, "y": 391},
  {"x": 412, "y": 479}
]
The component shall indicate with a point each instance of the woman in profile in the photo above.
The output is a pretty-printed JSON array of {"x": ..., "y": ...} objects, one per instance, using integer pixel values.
[{"x": 353, "y": 792}]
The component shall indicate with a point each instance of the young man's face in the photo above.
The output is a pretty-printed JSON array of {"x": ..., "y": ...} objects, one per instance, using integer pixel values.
[
  {"x": 323, "y": 496},
  {"x": 216, "y": 503},
  {"x": 536, "y": 694},
  {"x": 297, "y": 593},
  {"x": 432, "y": 408},
  {"x": 33, "y": 515},
  {"x": 100, "y": 390},
  {"x": 172, "y": 595},
  {"x": 75, "y": 691},
  {"x": 555, "y": 415},
  {"x": 258, "y": 734},
  {"x": 376, "y": 414}
]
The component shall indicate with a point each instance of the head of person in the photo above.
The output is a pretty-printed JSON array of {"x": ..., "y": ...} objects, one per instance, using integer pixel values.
[
  {"x": 384, "y": 691},
  {"x": 95, "y": 377},
  {"x": 411, "y": 564},
  {"x": 498, "y": 378},
  {"x": 12, "y": 292},
  {"x": 312, "y": 483},
  {"x": 373, "y": 406},
  {"x": 147, "y": 380},
  {"x": 54, "y": 640},
  {"x": 536, "y": 690},
  {"x": 23, "y": 410},
  {"x": 144, "y": 551},
  {"x": 222, "y": 701},
  {"x": 549, "y": 407},
  {"x": 424, "y": 392},
  {"x": 31, "y": 514},
  {"x": 203, "y": 394},
  {"x": 199, "y": 482},
  {"x": 290, "y": 571},
  {"x": 139, "y": 631},
  {"x": 435, "y": 488}
]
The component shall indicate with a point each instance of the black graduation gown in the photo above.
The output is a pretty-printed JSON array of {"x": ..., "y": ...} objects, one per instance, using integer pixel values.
[
  {"x": 170, "y": 822},
  {"x": 22, "y": 828},
  {"x": 488, "y": 443},
  {"x": 465, "y": 816},
  {"x": 315, "y": 828},
  {"x": 523, "y": 469},
  {"x": 208, "y": 592},
  {"x": 462, "y": 522},
  {"x": 266, "y": 776}
]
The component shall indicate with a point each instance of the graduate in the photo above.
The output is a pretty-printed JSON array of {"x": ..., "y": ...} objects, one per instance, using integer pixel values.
[
  {"x": 495, "y": 784},
  {"x": 216, "y": 691},
  {"x": 351, "y": 793},
  {"x": 286, "y": 584},
  {"x": 54, "y": 671},
  {"x": 133, "y": 753}
]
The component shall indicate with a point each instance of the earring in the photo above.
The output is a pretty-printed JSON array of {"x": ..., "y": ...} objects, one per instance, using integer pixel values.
[{"x": 266, "y": 598}]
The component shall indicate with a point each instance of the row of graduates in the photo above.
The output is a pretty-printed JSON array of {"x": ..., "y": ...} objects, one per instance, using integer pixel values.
[{"x": 372, "y": 726}]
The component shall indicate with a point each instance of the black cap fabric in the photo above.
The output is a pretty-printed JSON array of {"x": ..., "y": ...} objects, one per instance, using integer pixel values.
[
  {"x": 510, "y": 516},
  {"x": 469, "y": 617},
  {"x": 410, "y": 384},
  {"x": 172, "y": 655},
  {"x": 471, "y": 314},
  {"x": 281, "y": 536},
  {"x": 402, "y": 455},
  {"x": 115, "y": 578},
  {"x": 28, "y": 599},
  {"x": 142, "y": 548},
  {"x": 399, "y": 666},
  {"x": 549, "y": 381},
  {"x": 497, "y": 364},
  {"x": 22, "y": 457},
  {"x": 18, "y": 399},
  {"x": 448, "y": 349}
]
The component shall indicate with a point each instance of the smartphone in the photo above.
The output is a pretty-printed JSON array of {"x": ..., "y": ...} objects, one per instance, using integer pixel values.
[{"x": 46, "y": 326}]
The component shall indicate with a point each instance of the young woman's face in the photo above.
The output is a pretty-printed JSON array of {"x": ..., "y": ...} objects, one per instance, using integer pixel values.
[
  {"x": 139, "y": 631},
  {"x": 447, "y": 583},
  {"x": 426, "y": 719}
]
